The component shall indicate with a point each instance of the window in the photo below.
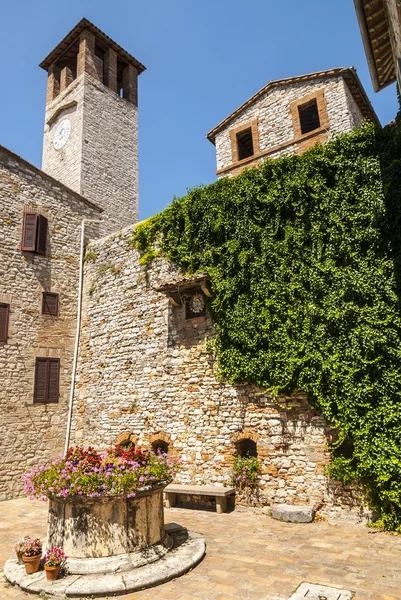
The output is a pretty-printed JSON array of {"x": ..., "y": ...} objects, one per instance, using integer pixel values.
[
  {"x": 195, "y": 306},
  {"x": 245, "y": 144},
  {"x": 160, "y": 446},
  {"x": 34, "y": 233},
  {"x": 309, "y": 116},
  {"x": 47, "y": 380},
  {"x": 4, "y": 314},
  {"x": 50, "y": 304},
  {"x": 247, "y": 447}
]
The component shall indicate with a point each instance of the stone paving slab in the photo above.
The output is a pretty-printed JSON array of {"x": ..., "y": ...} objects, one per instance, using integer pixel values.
[
  {"x": 310, "y": 591},
  {"x": 249, "y": 556}
]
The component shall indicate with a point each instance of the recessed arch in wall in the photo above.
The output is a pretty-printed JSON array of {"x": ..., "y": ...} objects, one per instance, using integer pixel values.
[
  {"x": 126, "y": 438},
  {"x": 245, "y": 442},
  {"x": 160, "y": 442}
]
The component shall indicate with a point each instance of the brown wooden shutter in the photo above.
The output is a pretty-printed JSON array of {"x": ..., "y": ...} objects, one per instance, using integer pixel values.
[
  {"x": 40, "y": 380},
  {"x": 50, "y": 304},
  {"x": 41, "y": 235},
  {"x": 53, "y": 379},
  {"x": 4, "y": 313},
  {"x": 29, "y": 232}
]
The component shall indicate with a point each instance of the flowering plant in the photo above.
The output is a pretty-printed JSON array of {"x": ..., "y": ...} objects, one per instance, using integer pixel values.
[
  {"x": 55, "y": 557},
  {"x": 31, "y": 547},
  {"x": 18, "y": 546},
  {"x": 245, "y": 471},
  {"x": 117, "y": 471}
]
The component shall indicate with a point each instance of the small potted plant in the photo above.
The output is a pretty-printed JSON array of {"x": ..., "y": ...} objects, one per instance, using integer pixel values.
[
  {"x": 54, "y": 560},
  {"x": 31, "y": 554},
  {"x": 18, "y": 546}
]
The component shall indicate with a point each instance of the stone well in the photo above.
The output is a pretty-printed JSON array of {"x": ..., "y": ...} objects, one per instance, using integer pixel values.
[
  {"x": 115, "y": 545},
  {"x": 125, "y": 532}
]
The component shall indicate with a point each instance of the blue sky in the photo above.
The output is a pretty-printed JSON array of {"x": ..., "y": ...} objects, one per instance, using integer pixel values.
[{"x": 203, "y": 58}]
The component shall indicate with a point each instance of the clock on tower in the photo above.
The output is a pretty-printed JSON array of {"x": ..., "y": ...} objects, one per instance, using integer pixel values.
[{"x": 91, "y": 123}]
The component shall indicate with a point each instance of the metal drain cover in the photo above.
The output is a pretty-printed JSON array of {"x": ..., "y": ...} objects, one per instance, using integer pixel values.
[{"x": 312, "y": 591}]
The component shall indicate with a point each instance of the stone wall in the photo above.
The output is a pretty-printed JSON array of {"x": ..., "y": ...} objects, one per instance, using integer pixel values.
[
  {"x": 65, "y": 164},
  {"x": 32, "y": 432},
  {"x": 100, "y": 157},
  {"x": 145, "y": 370},
  {"x": 110, "y": 154},
  {"x": 275, "y": 124}
]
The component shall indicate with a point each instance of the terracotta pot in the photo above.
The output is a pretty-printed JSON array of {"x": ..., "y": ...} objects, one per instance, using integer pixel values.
[
  {"x": 31, "y": 563},
  {"x": 52, "y": 572},
  {"x": 19, "y": 558}
]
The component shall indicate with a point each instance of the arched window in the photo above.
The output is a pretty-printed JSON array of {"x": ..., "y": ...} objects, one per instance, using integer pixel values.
[
  {"x": 160, "y": 446},
  {"x": 246, "y": 447}
]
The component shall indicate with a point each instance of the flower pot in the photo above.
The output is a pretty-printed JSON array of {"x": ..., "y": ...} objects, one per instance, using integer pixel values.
[
  {"x": 52, "y": 572},
  {"x": 19, "y": 557},
  {"x": 31, "y": 563}
]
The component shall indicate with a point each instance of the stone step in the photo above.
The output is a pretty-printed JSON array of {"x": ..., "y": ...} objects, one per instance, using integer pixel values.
[{"x": 293, "y": 513}]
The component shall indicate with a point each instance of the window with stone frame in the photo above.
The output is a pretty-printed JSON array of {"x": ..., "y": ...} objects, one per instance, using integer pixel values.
[
  {"x": 245, "y": 144},
  {"x": 50, "y": 304},
  {"x": 309, "y": 116},
  {"x": 245, "y": 141},
  {"x": 47, "y": 380}
]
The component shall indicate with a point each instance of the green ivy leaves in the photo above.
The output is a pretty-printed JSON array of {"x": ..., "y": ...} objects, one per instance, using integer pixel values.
[{"x": 305, "y": 253}]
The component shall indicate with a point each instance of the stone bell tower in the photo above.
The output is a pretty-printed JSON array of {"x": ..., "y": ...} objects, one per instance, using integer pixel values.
[{"x": 91, "y": 123}]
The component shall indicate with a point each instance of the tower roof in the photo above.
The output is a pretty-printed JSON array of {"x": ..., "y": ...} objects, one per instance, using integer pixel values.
[
  {"x": 69, "y": 45},
  {"x": 349, "y": 74}
]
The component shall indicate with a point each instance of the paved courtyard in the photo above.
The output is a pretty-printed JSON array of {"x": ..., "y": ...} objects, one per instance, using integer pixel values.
[{"x": 249, "y": 556}]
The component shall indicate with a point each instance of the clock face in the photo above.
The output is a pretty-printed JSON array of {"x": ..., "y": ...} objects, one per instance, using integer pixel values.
[
  {"x": 62, "y": 133},
  {"x": 197, "y": 303}
]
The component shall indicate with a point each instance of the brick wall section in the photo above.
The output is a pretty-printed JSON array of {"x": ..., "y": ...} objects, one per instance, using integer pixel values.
[
  {"x": 277, "y": 135},
  {"x": 31, "y": 433},
  {"x": 145, "y": 372},
  {"x": 100, "y": 158}
]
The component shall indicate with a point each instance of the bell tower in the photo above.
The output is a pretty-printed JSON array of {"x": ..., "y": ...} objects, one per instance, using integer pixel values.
[{"x": 91, "y": 122}]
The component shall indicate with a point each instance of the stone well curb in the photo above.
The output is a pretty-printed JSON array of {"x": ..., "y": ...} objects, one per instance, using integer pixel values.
[{"x": 174, "y": 564}]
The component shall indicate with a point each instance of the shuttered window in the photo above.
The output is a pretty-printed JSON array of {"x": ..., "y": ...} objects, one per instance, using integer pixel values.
[
  {"x": 4, "y": 314},
  {"x": 29, "y": 232},
  {"x": 41, "y": 235},
  {"x": 34, "y": 233},
  {"x": 47, "y": 380},
  {"x": 50, "y": 304}
]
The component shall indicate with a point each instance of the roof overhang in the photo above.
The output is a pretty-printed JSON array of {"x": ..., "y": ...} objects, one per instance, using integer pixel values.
[
  {"x": 376, "y": 31},
  {"x": 349, "y": 74}
]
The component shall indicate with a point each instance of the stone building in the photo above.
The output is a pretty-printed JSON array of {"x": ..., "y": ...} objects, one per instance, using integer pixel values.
[
  {"x": 90, "y": 171},
  {"x": 91, "y": 124},
  {"x": 289, "y": 116},
  {"x": 40, "y": 223},
  {"x": 144, "y": 373}
]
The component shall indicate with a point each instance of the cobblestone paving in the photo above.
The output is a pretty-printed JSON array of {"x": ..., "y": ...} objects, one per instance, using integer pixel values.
[{"x": 249, "y": 556}]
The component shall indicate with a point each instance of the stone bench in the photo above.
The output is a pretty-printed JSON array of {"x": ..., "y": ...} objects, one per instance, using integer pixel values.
[{"x": 220, "y": 493}]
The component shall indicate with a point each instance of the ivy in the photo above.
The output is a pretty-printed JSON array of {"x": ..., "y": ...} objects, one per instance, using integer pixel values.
[{"x": 304, "y": 253}]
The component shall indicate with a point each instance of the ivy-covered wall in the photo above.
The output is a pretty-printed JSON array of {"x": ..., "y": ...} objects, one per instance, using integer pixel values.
[{"x": 304, "y": 254}]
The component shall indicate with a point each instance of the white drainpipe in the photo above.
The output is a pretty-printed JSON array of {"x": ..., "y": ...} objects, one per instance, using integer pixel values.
[{"x": 77, "y": 333}]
